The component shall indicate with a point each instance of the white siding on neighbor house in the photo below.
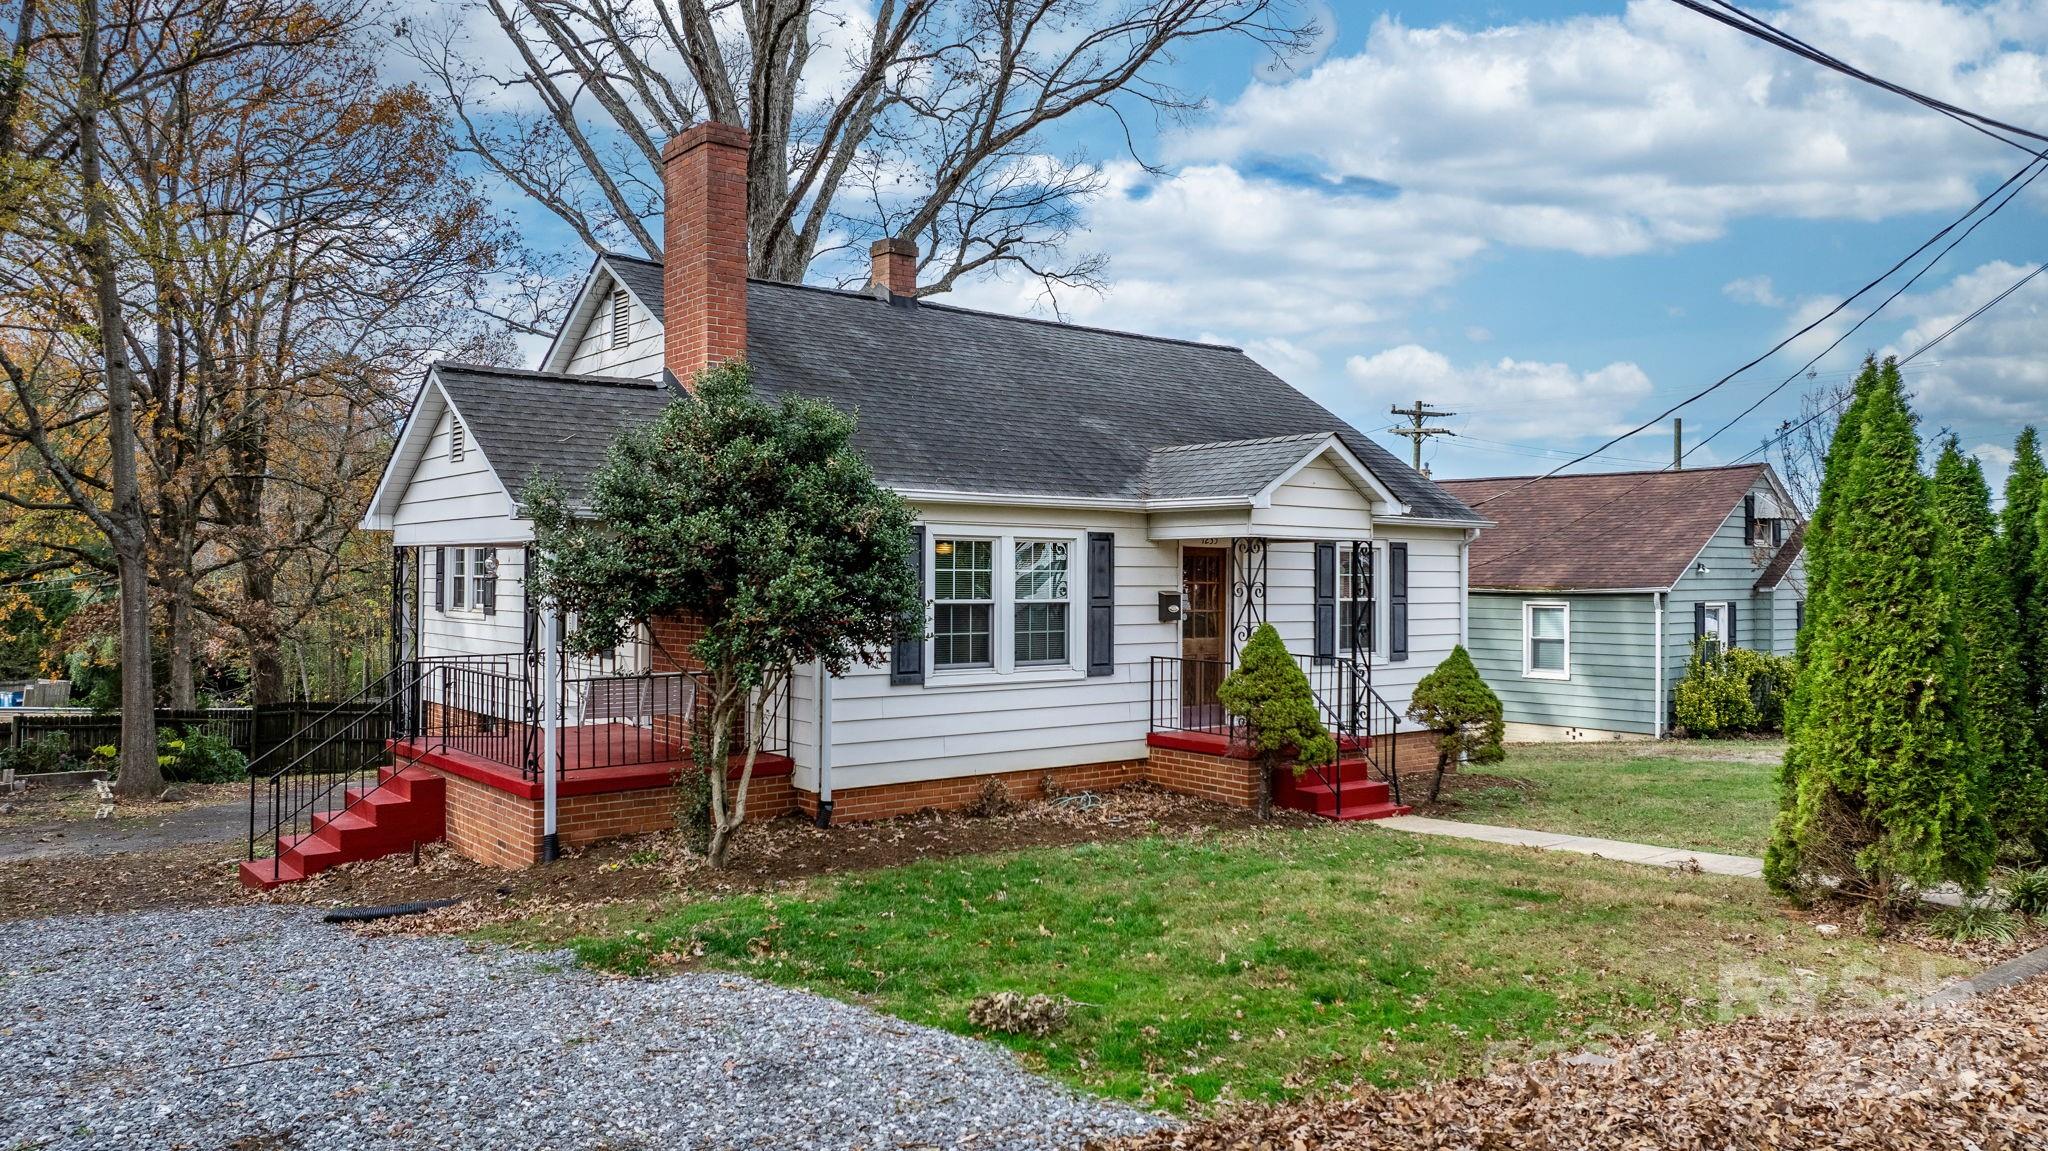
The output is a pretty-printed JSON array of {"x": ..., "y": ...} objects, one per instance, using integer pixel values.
[
  {"x": 1317, "y": 502},
  {"x": 447, "y": 501},
  {"x": 595, "y": 355}
]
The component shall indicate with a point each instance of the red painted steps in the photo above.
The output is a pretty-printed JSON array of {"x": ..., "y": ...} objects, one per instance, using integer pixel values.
[
  {"x": 1361, "y": 796},
  {"x": 410, "y": 806}
]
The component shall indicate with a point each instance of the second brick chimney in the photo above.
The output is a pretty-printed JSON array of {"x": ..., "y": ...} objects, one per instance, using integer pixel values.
[
  {"x": 704, "y": 258},
  {"x": 893, "y": 267}
]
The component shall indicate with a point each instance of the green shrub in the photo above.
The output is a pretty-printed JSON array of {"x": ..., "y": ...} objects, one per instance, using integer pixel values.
[
  {"x": 1714, "y": 698},
  {"x": 1768, "y": 679},
  {"x": 2027, "y": 891},
  {"x": 194, "y": 756},
  {"x": 1269, "y": 691},
  {"x": 1455, "y": 703},
  {"x": 46, "y": 753}
]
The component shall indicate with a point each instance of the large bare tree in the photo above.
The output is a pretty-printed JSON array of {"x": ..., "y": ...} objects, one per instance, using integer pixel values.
[{"x": 924, "y": 119}]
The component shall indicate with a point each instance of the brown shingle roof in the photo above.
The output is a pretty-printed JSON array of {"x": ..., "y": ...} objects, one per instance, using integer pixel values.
[
  {"x": 1608, "y": 532},
  {"x": 1774, "y": 572}
]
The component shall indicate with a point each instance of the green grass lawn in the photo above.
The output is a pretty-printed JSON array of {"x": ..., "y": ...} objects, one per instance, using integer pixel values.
[
  {"x": 1270, "y": 964},
  {"x": 1714, "y": 795}
]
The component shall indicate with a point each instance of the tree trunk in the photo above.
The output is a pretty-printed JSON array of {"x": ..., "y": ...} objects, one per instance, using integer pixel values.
[
  {"x": 183, "y": 694},
  {"x": 138, "y": 774},
  {"x": 714, "y": 769},
  {"x": 1268, "y": 764}
]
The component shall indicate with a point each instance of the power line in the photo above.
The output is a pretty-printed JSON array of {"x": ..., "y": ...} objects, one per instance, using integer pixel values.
[
  {"x": 1781, "y": 344},
  {"x": 1872, "y": 314}
]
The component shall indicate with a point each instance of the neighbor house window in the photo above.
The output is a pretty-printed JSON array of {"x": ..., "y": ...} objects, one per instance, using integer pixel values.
[
  {"x": 1040, "y": 615},
  {"x": 1546, "y": 630},
  {"x": 963, "y": 603},
  {"x": 468, "y": 570},
  {"x": 1714, "y": 626}
]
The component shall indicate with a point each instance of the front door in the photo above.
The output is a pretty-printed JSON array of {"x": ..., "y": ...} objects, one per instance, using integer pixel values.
[{"x": 1205, "y": 605}]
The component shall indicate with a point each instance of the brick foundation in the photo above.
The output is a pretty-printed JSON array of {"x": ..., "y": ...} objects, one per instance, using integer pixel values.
[{"x": 856, "y": 804}]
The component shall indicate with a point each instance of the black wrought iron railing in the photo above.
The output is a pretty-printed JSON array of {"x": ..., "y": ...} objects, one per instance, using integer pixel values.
[{"x": 1183, "y": 698}]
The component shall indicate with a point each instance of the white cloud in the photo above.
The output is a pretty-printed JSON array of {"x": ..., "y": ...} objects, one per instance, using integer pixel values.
[
  {"x": 1752, "y": 290},
  {"x": 1522, "y": 401},
  {"x": 1994, "y": 371},
  {"x": 1478, "y": 334}
]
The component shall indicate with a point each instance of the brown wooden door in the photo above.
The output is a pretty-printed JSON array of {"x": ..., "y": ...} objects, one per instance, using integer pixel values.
[{"x": 1205, "y": 611}]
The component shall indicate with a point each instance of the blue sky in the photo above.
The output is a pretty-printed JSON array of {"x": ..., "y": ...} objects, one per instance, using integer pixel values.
[{"x": 1557, "y": 218}]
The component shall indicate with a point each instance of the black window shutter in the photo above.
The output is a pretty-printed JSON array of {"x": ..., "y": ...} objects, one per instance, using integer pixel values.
[
  {"x": 1397, "y": 601},
  {"x": 1101, "y": 603},
  {"x": 906, "y": 665},
  {"x": 440, "y": 579},
  {"x": 1734, "y": 633},
  {"x": 1326, "y": 602},
  {"x": 1798, "y": 615},
  {"x": 1368, "y": 624},
  {"x": 1778, "y": 531},
  {"x": 1749, "y": 519},
  {"x": 490, "y": 594},
  {"x": 1699, "y": 621}
]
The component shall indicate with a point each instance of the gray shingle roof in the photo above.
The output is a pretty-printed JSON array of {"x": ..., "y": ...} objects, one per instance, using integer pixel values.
[
  {"x": 530, "y": 423},
  {"x": 1223, "y": 470},
  {"x": 956, "y": 400}
]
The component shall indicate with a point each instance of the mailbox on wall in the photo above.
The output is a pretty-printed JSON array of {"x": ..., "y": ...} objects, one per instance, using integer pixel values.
[{"x": 1169, "y": 607}]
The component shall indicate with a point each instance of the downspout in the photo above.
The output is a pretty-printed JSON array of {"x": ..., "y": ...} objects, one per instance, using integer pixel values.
[
  {"x": 550, "y": 725},
  {"x": 824, "y": 746},
  {"x": 1657, "y": 675}
]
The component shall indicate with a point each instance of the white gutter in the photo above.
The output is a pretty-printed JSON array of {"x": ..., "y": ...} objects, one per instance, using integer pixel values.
[
  {"x": 1657, "y": 676},
  {"x": 550, "y": 726},
  {"x": 824, "y": 746}
]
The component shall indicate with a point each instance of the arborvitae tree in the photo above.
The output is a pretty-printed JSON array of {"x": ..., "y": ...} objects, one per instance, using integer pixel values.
[
  {"x": 1819, "y": 556},
  {"x": 2023, "y": 503},
  {"x": 2034, "y": 617},
  {"x": 1884, "y": 788},
  {"x": 1988, "y": 627}
]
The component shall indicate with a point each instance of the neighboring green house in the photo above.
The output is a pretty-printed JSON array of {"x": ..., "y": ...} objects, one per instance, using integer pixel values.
[{"x": 1589, "y": 585}]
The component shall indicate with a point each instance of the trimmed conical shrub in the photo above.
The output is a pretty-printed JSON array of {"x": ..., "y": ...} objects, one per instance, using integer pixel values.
[
  {"x": 1999, "y": 728},
  {"x": 1270, "y": 692},
  {"x": 1884, "y": 792}
]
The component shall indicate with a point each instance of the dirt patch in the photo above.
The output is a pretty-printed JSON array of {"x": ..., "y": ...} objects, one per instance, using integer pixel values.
[
  {"x": 647, "y": 867},
  {"x": 1965, "y": 1075}
]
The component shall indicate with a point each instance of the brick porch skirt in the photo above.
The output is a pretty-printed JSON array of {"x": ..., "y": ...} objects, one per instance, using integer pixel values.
[{"x": 495, "y": 818}]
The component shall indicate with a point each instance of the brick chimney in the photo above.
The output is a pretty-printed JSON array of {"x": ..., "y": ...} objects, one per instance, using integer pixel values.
[
  {"x": 893, "y": 264},
  {"x": 704, "y": 242}
]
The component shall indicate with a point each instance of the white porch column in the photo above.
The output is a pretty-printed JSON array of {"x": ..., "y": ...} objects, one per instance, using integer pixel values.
[{"x": 550, "y": 726}]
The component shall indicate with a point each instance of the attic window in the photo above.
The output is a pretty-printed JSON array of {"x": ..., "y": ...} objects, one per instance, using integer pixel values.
[
  {"x": 458, "y": 441},
  {"x": 622, "y": 318}
]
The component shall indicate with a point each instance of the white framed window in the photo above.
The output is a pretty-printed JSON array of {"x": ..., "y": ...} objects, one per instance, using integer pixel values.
[
  {"x": 469, "y": 569},
  {"x": 621, "y": 318},
  {"x": 963, "y": 603},
  {"x": 458, "y": 440},
  {"x": 1003, "y": 603},
  {"x": 1371, "y": 564},
  {"x": 1041, "y": 612},
  {"x": 1546, "y": 640},
  {"x": 1714, "y": 626}
]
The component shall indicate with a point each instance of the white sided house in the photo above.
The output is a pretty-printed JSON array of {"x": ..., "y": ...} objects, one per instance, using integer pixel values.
[{"x": 1103, "y": 518}]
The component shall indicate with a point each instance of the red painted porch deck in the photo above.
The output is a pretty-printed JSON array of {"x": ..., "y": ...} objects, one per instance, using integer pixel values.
[{"x": 595, "y": 758}]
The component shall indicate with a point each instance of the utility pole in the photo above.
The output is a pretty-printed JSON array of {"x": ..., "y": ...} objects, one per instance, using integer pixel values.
[{"x": 1418, "y": 416}]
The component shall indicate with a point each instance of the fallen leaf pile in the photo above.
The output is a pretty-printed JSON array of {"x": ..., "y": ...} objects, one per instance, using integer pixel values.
[
  {"x": 1972, "y": 1075},
  {"x": 1014, "y": 1014}
]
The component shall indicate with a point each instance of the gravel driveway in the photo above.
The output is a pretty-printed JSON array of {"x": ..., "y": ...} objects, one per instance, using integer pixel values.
[{"x": 262, "y": 1029}]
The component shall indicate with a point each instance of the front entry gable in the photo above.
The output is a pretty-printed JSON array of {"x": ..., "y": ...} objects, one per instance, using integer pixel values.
[{"x": 1307, "y": 487}]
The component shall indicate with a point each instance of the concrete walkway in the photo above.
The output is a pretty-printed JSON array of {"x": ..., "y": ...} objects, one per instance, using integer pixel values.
[{"x": 1626, "y": 852}]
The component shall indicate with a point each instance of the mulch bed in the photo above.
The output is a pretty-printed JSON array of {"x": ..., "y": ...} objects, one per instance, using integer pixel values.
[
  {"x": 1904, "y": 1079},
  {"x": 648, "y": 867}
]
